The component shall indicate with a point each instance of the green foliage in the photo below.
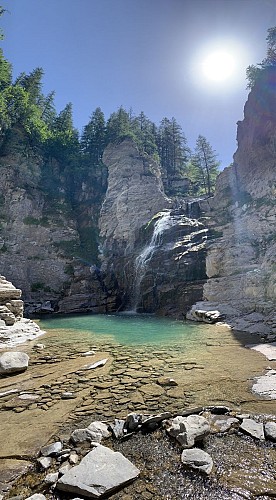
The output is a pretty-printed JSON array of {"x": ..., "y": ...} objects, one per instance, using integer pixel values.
[
  {"x": 203, "y": 167},
  {"x": 254, "y": 73}
]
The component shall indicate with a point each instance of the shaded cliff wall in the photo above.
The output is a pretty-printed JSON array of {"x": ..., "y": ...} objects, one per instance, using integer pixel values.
[
  {"x": 48, "y": 230},
  {"x": 241, "y": 260}
]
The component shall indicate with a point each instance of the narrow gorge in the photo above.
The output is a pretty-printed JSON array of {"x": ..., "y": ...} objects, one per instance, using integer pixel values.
[{"x": 119, "y": 242}]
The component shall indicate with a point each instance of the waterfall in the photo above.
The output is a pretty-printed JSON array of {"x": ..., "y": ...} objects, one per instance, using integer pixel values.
[{"x": 141, "y": 262}]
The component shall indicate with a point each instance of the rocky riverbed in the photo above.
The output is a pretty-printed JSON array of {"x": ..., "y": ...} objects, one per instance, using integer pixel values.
[{"x": 58, "y": 394}]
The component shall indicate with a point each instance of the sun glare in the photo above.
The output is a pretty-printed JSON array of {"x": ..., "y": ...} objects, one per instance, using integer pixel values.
[{"x": 218, "y": 66}]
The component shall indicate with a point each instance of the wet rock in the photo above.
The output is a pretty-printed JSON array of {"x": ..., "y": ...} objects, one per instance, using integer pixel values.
[
  {"x": 253, "y": 428},
  {"x": 270, "y": 430},
  {"x": 133, "y": 421},
  {"x": 155, "y": 419},
  {"x": 218, "y": 410},
  {"x": 206, "y": 316},
  {"x": 52, "y": 449},
  {"x": 187, "y": 430},
  {"x": 197, "y": 459},
  {"x": 100, "y": 472},
  {"x": 44, "y": 462},
  {"x": 13, "y": 362}
]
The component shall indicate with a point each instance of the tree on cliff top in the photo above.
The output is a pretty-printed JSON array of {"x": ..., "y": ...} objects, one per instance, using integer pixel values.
[
  {"x": 253, "y": 73},
  {"x": 203, "y": 168}
]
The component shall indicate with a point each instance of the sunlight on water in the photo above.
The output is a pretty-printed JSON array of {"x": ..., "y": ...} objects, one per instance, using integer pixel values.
[{"x": 129, "y": 329}]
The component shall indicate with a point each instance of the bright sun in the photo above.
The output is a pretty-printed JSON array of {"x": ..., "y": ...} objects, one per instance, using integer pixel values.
[{"x": 218, "y": 66}]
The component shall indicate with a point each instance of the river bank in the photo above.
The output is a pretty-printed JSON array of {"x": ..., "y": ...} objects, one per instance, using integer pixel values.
[{"x": 57, "y": 394}]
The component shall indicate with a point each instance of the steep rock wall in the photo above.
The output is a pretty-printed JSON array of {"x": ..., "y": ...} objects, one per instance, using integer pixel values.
[
  {"x": 241, "y": 259},
  {"x": 175, "y": 272},
  {"x": 44, "y": 248}
]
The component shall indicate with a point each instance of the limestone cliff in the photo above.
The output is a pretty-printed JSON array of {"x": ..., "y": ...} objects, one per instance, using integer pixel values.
[
  {"x": 134, "y": 195},
  {"x": 47, "y": 230},
  {"x": 156, "y": 254},
  {"x": 241, "y": 260}
]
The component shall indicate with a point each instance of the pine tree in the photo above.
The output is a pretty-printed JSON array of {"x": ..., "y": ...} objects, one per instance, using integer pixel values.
[
  {"x": 93, "y": 139},
  {"x": 253, "y": 73},
  {"x": 204, "y": 165},
  {"x": 118, "y": 126},
  {"x": 172, "y": 148}
]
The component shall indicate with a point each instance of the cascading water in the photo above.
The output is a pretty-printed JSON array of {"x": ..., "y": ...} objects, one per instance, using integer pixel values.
[{"x": 141, "y": 262}]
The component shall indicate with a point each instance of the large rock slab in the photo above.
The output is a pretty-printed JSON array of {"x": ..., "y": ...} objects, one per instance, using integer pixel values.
[
  {"x": 265, "y": 385},
  {"x": 101, "y": 472},
  {"x": 13, "y": 362}
]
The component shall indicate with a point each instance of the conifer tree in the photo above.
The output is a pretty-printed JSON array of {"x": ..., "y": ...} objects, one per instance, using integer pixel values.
[
  {"x": 205, "y": 165},
  {"x": 93, "y": 139}
]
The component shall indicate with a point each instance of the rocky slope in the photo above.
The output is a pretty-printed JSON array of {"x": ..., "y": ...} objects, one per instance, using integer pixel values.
[{"x": 241, "y": 261}]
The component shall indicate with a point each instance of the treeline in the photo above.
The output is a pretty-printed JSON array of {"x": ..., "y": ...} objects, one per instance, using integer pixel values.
[{"x": 22, "y": 103}]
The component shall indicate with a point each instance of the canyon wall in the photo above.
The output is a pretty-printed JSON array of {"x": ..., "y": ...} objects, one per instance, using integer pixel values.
[
  {"x": 156, "y": 253},
  {"x": 240, "y": 263},
  {"x": 48, "y": 231}
]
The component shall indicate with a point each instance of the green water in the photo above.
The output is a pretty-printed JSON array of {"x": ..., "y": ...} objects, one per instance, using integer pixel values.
[{"x": 128, "y": 329}]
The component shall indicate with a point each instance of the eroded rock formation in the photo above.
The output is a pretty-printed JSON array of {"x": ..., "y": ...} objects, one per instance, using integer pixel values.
[
  {"x": 240, "y": 262},
  {"x": 156, "y": 253}
]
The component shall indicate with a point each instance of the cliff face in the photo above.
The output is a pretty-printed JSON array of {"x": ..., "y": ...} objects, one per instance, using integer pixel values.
[
  {"x": 156, "y": 254},
  {"x": 44, "y": 248},
  {"x": 134, "y": 195},
  {"x": 241, "y": 260}
]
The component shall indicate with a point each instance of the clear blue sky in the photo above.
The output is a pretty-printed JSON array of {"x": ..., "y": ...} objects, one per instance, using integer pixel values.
[{"x": 142, "y": 54}]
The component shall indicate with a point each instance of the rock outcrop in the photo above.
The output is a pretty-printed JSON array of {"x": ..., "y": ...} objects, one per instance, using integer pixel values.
[
  {"x": 240, "y": 263},
  {"x": 48, "y": 230},
  {"x": 155, "y": 253},
  {"x": 14, "y": 329}
]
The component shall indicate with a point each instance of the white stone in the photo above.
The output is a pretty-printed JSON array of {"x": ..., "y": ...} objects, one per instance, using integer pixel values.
[
  {"x": 197, "y": 459},
  {"x": 51, "y": 449},
  {"x": 253, "y": 428},
  {"x": 51, "y": 478},
  {"x": 187, "y": 430},
  {"x": 37, "y": 496},
  {"x": 97, "y": 364},
  {"x": 45, "y": 462},
  {"x": 266, "y": 385},
  {"x": 100, "y": 472},
  {"x": 13, "y": 362}
]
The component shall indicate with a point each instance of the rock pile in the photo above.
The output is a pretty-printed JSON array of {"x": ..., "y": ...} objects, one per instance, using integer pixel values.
[{"x": 74, "y": 468}]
